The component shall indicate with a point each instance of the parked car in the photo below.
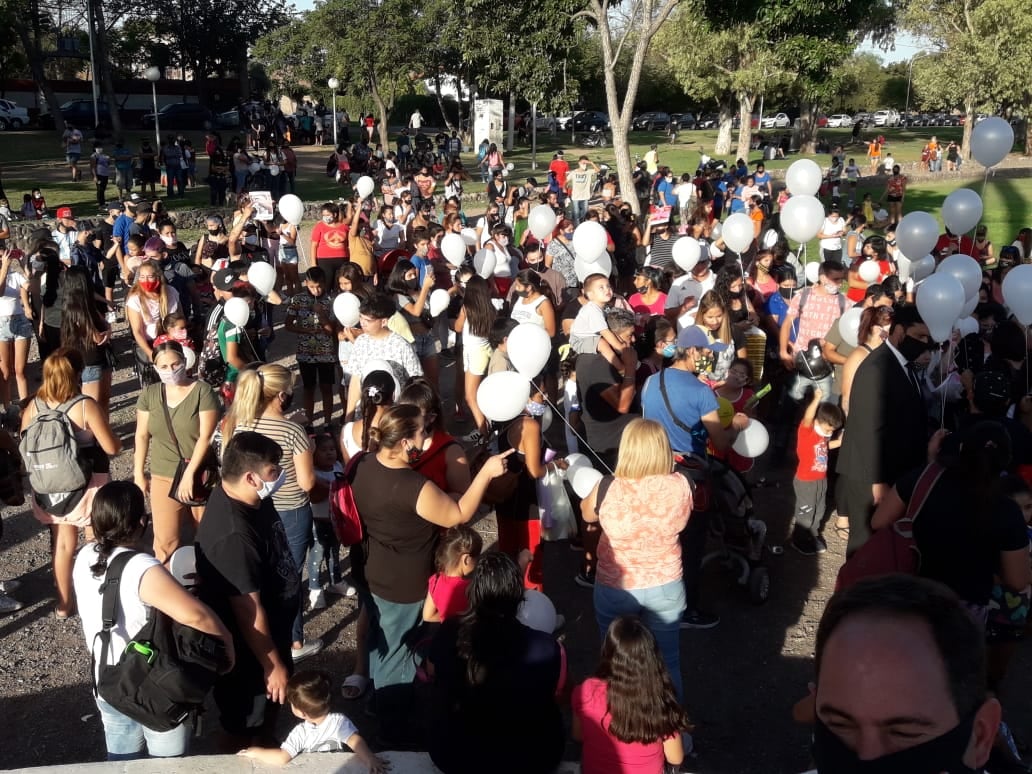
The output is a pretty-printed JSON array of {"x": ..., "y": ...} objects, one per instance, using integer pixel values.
[
  {"x": 12, "y": 115},
  {"x": 651, "y": 121},
  {"x": 683, "y": 120},
  {"x": 776, "y": 121},
  {"x": 839, "y": 121},
  {"x": 230, "y": 119},
  {"x": 887, "y": 118},
  {"x": 708, "y": 121},
  {"x": 179, "y": 115},
  {"x": 867, "y": 118},
  {"x": 545, "y": 122},
  {"x": 588, "y": 120},
  {"x": 80, "y": 113}
]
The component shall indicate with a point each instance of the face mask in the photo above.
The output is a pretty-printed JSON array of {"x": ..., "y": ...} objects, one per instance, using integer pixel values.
[
  {"x": 523, "y": 293},
  {"x": 327, "y": 219},
  {"x": 269, "y": 488},
  {"x": 536, "y": 409},
  {"x": 669, "y": 350},
  {"x": 539, "y": 267},
  {"x": 213, "y": 232},
  {"x": 174, "y": 375},
  {"x": 285, "y": 403},
  {"x": 413, "y": 283},
  {"x": 502, "y": 241},
  {"x": 413, "y": 454},
  {"x": 168, "y": 239},
  {"x": 641, "y": 289},
  {"x": 911, "y": 349},
  {"x": 830, "y": 288},
  {"x": 821, "y": 432},
  {"x": 150, "y": 286},
  {"x": 251, "y": 239},
  {"x": 179, "y": 334},
  {"x": 943, "y": 753},
  {"x": 786, "y": 293}
]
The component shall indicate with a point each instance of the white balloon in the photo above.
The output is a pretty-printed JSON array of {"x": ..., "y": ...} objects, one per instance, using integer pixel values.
[
  {"x": 182, "y": 565},
  {"x": 262, "y": 277},
  {"x": 940, "y": 300},
  {"x": 962, "y": 210},
  {"x": 484, "y": 262},
  {"x": 387, "y": 366},
  {"x": 802, "y": 217},
  {"x": 576, "y": 460},
  {"x": 849, "y": 326},
  {"x": 529, "y": 347},
  {"x": 453, "y": 247},
  {"x": 753, "y": 440},
  {"x": 291, "y": 208},
  {"x": 991, "y": 141},
  {"x": 812, "y": 272},
  {"x": 969, "y": 307},
  {"x": 803, "y": 178},
  {"x": 738, "y": 232},
  {"x": 254, "y": 167},
  {"x": 584, "y": 269},
  {"x": 541, "y": 221},
  {"x": 503, "y": 395},
  {"x": 537, "y": 612},
  {"x": 869, "y": 271},
  {"x": 916, "y": 234},
  {"x": 469, "y": 236},
  {"x": 966, "y": 270},
  {"x": 546, "y": 419},
  {"x": 510, "y": 166},
  {"x": 715, "y": 231},
  {"x": 922, "y": 267},
  {"x": 364, "y": 186},
  {"x": 589, "y": 241},
  {"x": 191, "y": 358},
  {"x": 237, "y": 312},
  {"x": 686, "y": 252},
  {"x": 1017, "y": 292},
  {"x": 439, "y": 301},
  {"x": 345, "y": 309},
  {"x": 583, "y": 480},
  {"x": 966, "y": 325}
]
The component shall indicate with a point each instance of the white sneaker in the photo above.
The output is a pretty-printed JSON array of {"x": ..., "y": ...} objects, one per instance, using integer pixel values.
[
  {"x": 342, "y": 588},
  {"x": 310, "y": 648},
  {"x": 316, "y": 599}
]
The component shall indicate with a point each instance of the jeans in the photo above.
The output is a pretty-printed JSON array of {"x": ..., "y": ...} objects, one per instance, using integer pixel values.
[
  {"x": 392, "y": 667},
  {"x": 578, "y": 210},
  {"x": 102, "y": 182},
  {"x": 127, "y": 740},
  {"x": 324, "y": 546},
  {"x": 658, "y": 607},
  {"x": 298, "y": 524},
  {"x": 798, "y": 389},
  {"x": 175, "y": 177}
]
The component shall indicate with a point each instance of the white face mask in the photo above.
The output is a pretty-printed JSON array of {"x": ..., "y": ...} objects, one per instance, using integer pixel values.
[
  {"x": 269, "y": 488},
  {"x": 502, "y": 240},
  {"x": 831, "y": 288},
  {"x": 822, "y": 432},
  {"x": 168, "y": 239},
  {"x": 327, "y": 219}
]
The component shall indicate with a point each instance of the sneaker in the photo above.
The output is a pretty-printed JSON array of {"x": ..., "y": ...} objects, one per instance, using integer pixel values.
[
  {"x": 343, "y": 588},
  {"x": 8, "y": 605},
  {"x": 474, "y": 438},
  {"x": 310, "y": 648},
  {"x": 112, "y": 317},
  {"x": 585, "y": 579},
  {"x": 821, "y": 545},
  {"x": 316, "y": 599},
  {"x": 696, "y": 619},
  {"x": 7, "y": 586},
  {"x": 804, "y": 544}
]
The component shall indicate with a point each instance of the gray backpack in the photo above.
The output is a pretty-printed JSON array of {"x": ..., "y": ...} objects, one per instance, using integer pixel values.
[{"x": 58, "y": 473}]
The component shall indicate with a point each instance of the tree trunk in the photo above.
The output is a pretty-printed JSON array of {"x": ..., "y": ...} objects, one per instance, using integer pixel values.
[
  {"x": 440, "y": 102},
  {"x": 30, "y": 42},
  {"x": 107, "y": 82},
  {"x": 969, "y": 125},
  {"x": 381, "y": 108},
  {"x": 1026, "y": 106},
  {"x": 745, "y": 105},
  {"x": 245, "y": 80},
  {"x": 807, "y": 127},
  {"x": 724, "y": 117}
]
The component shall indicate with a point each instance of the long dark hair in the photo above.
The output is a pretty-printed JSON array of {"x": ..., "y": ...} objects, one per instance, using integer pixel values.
[
  {"x": 396, "y": 281},
  {"x": 377, "y": 390},
  {"x": 486, "y": 631},
  {"x": 532, "y": 278},
  {"x": 118, "y": 513},
  {"x": 641, "y": 701},
  {"x": 421, "y": 393},
  {"x": 725, "y": 278},
  {"x": 480, "y": 312},
  {"x": 874, "y": 315},
  {"x": 80, "y": 318},
  {"x": 985, "y": 454}
]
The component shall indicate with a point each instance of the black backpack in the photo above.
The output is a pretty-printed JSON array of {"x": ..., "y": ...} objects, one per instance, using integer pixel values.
[
  {"x": 165, "y": 671},
  {"x": 211, "y": 366}
]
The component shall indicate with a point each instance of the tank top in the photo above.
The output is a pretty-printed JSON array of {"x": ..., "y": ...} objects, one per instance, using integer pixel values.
[
  {"x": 528, "y": 313},
  {"x": 347, "y": 439},
  {"x": 434, "y": 462},
  {"x": 472, "y": 341}
]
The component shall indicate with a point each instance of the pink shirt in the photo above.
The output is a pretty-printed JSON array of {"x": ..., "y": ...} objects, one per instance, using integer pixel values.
[
  {"x": 641, "y": 520},
  {"x": 819, "y": 313},
  {"x": 602, "y": 753},
  {"x": 449, "y": 595}
]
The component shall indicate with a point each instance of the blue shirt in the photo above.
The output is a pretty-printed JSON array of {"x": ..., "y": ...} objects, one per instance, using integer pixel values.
[
  {"x": 121, "y": 229},
  {"x": 737, "y": 205},
  {"x": 665, "y": 187},
  {"x": 691, "y": 399},
  {"x": 777, "y": 307}
]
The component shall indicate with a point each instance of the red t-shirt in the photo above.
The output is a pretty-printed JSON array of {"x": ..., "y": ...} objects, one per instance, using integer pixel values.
[
  {"x": 812, "y": 450},
  {"x": 560, "y": 168},
  {"x": 332, "y": 239},
  {"x": 602, "y": 753},
  {"x": 948, "y": 245},
  {"x": 449, "y": 595}
]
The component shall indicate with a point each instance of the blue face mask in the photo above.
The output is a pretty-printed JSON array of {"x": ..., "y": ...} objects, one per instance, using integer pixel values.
[{"x": 669, "y": 350}]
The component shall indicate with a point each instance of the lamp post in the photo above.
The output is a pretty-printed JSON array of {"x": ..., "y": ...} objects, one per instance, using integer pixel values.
[
  {"x": 334, "y": 84},
  {"x": 910, "y": 75},
  {"x": 153, "y": 74}
]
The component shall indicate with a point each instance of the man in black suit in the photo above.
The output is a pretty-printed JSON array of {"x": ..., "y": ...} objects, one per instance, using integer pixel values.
[{"x": 887, "y": 428}]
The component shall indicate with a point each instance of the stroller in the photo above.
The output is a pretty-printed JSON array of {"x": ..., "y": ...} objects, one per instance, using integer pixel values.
[{"x": 737, "y": 536}]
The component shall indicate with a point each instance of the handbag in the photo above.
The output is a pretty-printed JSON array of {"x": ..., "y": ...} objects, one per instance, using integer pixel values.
[
  {"x": 207, "y": 476},
  {"x": 344, "y": 516}
]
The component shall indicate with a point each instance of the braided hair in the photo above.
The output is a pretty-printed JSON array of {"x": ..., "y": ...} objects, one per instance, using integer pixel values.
[{"x": 118, "y": 515}]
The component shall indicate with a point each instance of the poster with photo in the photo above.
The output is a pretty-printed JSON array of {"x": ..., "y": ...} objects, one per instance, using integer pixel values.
[{"x": 264, "y": 209}]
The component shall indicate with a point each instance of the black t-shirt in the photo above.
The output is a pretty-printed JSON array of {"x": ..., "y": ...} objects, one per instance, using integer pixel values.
[
  {"x": 241, "y": 550},
  {"x": 398, "y": 545},
  {"x": 603, "y": 423},
  {"x": 959, "y": 539},
  {"x": 512, "y": 719}
]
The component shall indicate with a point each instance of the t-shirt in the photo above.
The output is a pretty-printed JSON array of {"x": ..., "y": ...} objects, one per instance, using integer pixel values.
[
  {"x": 661, "y": 252},
  {"x": 603, "y": 423},
  {"x": 317, "y": 346},
  {"x": 580, "y": 182},
  {"x": 399, "y": 544},
  {"x": 690, "y": 398},
  {"x": 681, "y": 290},
  {"x": 392, "y": 348},
  {"x": 834, "y": 229},
  {"x": 152, "y": 314},
  {"x": 561, "y": 168},
  {"x": 164, "y": 456},
  {"x": 601, "y": 752},
  {"x": 812, "y": 451},
  {"x": 10, "y": 301},
  {"x": 332, "y": 239},
  {"x": 331, "y": 735},
  {"x": 641, "y": 520},
  {"x": 293, "y": 440},
  {"x": 563, "y": 260},
  {"x": 449, "y": 594},
  {"x": 389, "y": 237},
  {"x": 640, "y": 307},
  {"x": 322, "y": 510},
  {"x": 587, "y": 329},
  {"x": 242, "y": 550},
  {"x": 820, "y": 311},
  {"x": 228, "y": 332},
  {"x": 834, "y": 338},
  {"x": 132, "y": 612}
]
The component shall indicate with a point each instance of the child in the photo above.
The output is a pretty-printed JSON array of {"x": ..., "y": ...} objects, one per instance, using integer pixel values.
[
  {"x": 310, "y": 315},
  {"x": 325, "y": 545},
  {"x": 456, "y": 557},
  {"x": 134, "y": 257},
  {"x": 28, "y": 209},
  {"x": 590, "y": 334},
  {"x": 820, "y": 422},
  {"x": 852, "y": 178},
  {"x": 628, "y": 716},
  {"x": 39, "y": 204},
  {"x": 308, "y": 694}
]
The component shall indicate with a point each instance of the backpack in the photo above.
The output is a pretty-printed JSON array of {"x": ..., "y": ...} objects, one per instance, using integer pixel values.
[
  {"x": 347, "y": 524},
  {"x": 892, "y": 549},
  {"x": 165, "y": 671},
  {"x": 211, "y": 367},
  {"x": 58, "y": 473}
]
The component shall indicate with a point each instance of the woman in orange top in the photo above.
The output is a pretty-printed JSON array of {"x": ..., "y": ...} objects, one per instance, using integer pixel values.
[{"x": 330, "y": 239}]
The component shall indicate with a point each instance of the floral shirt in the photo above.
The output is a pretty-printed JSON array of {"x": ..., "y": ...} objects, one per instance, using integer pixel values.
[
  {"x": 563, "y": 258},
  {"x": 317, "y": 346}
]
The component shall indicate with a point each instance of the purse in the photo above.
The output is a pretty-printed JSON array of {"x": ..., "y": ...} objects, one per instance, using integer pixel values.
[{"x": 207, "y": 476}]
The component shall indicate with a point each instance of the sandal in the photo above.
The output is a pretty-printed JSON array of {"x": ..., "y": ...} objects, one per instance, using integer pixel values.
[
  {"x": 842, "y": 531},
  {"x": 355, "y": 687}
]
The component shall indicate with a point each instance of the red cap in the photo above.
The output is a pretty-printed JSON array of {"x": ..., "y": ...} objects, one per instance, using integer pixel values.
[{"x": 64, "y": 212}]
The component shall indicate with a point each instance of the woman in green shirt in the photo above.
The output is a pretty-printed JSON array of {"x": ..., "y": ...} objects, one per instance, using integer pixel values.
[{"x": 192, "y": 406}]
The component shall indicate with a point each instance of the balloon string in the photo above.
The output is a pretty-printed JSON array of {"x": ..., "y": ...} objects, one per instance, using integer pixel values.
[
  {"x": 562, "y": 416},
  {"x": 943, "y": 384}
]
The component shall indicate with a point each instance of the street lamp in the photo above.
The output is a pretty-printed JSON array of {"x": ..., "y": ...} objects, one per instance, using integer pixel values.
[
  {"x": 910, "y": 75},
  {"x": 153, "y": 74},
  {"x": 334, "y": 84}
]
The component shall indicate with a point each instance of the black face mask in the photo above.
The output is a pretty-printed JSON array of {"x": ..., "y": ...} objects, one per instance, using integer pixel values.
[
  {"x": 641, "y": 289},
  {"x": 786, "y": 293},
  {"x": 942, "y": 754},
  {"x": 539, "y": 267},
  {"x": 523, "y": 293},
  {"x": 413, "y": 284},
  {"x": 911, "y": 349},
  {"x": 285, "y": 403},
  {"x": 414, "y": 455}
]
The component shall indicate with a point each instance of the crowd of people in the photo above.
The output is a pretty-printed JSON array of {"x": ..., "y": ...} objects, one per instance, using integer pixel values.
[{"x": 648, "y": 364}]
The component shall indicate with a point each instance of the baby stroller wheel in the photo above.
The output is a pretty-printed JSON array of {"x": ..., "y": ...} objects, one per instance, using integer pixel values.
[{"x": 759, "y": 585}]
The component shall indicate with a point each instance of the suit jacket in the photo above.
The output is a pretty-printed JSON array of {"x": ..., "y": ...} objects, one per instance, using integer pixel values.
[{"x": 887, "y": 429}]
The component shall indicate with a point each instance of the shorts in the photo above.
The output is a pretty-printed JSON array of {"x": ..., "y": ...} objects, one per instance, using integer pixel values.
[
  {"x": 72, "y": 158},
  {"x": 475, "y": 360},
  {"x": 891, "y": 198},
  {"x": 288, "y": 255},
  {"x": 317, "y": 373},
  {"x": 123, "y": 179},
  {"x": 111, "y": 272},
  {"x": 15, "y": 328},
  {"x": 425, "y": 345},
  {"x": 92, "y": 373}
]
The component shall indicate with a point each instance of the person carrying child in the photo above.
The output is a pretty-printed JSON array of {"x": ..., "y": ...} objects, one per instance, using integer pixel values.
[
  {"x": 456, "y": 557},
  {"x": 590, "y": 333},
  {"x": 813, "y": 440}
]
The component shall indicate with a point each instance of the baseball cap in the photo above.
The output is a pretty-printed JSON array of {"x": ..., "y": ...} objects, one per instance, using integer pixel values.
[
  {"x": 558, "y": 153},
  {"x": 224, "y": 279},
  {"x": 112, "y": 205},
  {"x": 692, "y": 336},
  {"x": 64, "y": 213}
]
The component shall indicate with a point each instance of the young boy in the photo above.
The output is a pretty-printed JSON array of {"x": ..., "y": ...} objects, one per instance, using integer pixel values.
[
  {"x": 590, "y": 334},
  {"x": 852, "y": 177},
  {"x": 813, "y": 440},
  {"x": 308, "y": 694},
  {"x": 310, "y": 316},
  {"x": 378, "y": 342}
]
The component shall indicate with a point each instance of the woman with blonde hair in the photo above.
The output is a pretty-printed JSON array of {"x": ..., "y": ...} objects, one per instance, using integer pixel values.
[
  {"x": 642, "y": 510},
  {"x": 61, "y": 390},
  {"x": 263, "y": 396},
  {"x": 147, "y": 303}
]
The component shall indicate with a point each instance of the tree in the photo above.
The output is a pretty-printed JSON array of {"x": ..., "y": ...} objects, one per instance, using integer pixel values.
[{"x": 32, "y": 26}]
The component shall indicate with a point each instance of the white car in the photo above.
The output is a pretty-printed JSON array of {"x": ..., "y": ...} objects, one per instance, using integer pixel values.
[
  {"x": 12, "y": 115},
  {"x": 887, "y": 118},
  {"x": 776, "y": 121},
  {"x": 839, "y": 121}
]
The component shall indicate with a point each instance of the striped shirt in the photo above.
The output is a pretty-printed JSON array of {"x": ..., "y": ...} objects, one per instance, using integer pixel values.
[{"x": 292, "y": 440}]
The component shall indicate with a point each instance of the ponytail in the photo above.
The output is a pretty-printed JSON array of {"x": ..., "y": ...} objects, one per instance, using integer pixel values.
[
  {"x": 377, "y": 390},
  {"x": 118, "y": 511}
]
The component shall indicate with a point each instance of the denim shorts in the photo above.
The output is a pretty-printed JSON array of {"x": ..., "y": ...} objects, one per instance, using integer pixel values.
[
  {"x": 128, "y": 740},
  {"x": 92, "y": 373},
  {"x": 15, "y": 327}
]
